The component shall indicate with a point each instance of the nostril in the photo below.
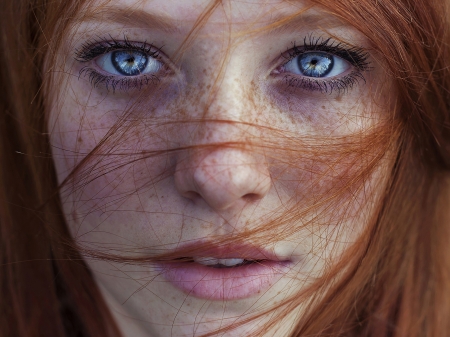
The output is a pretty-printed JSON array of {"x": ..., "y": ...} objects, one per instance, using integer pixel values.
[
  {"x": 252, "y": 197},
  {"x": 192, "y": 195}
]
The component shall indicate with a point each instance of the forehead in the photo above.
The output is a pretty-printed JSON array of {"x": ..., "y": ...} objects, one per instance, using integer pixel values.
[
  {"x": 182, "y": 17},
  {"x": 236, "y": 11}
]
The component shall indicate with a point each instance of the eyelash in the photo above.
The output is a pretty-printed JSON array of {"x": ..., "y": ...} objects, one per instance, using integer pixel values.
[
  {"x": 90, "y": 50},
  {"x": 357, "y": 57}
]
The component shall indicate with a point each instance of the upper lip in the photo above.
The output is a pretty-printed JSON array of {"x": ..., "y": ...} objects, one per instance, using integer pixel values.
[{"x": 228, "y": 251}]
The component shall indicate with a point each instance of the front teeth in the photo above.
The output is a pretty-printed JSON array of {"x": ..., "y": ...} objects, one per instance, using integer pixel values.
[
  {"x": 230, "y": 262},
  {"x": 211, "y": 261},
  {"x": 207, "y": 261}
]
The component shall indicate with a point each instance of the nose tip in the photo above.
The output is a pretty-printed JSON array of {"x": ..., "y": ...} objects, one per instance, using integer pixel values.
[{"x": 223, "y": 178}]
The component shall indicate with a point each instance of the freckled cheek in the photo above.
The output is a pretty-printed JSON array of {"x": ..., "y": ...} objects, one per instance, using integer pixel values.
[
  {"x": 308, "y": 178},
  {"x": 115, "y": 198},
  {"x": 321, "y": 113},
  {"x": 325, "y": 173},
  {"x": 106, "y": 174},
  {"x": 107, "y": 134}
]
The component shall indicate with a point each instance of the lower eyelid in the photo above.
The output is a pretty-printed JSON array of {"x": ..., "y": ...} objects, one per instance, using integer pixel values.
[
  {"x": 118, "y": 83},
  {"x": 321, "y": 85}
]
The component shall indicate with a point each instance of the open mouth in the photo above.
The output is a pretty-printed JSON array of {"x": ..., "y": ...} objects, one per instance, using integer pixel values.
[
  {"x": 224, "y": 263},
  {"x": 220, "y": 274}
]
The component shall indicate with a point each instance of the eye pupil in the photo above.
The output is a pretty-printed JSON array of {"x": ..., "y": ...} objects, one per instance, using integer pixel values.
[
  {"x": 315, "y": 64},
  {"x": 129, "y": 63}
]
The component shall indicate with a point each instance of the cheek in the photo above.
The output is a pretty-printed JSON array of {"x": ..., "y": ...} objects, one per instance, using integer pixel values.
[
  {"x": 330, "y": 184},
  {"x": 76, "y": 128},
  {"x": 102, "y": 125},
  {"x": 98, "y": 153}
]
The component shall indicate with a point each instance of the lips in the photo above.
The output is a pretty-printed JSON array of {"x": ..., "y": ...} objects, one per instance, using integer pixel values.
[{"x": 225, "y": 273}]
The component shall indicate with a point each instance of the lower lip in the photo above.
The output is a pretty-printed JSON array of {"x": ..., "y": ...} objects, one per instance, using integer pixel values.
[{"x": 224, "y": 283}]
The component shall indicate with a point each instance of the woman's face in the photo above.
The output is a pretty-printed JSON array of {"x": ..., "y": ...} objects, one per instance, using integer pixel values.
[{"x": 236, "y": 138}]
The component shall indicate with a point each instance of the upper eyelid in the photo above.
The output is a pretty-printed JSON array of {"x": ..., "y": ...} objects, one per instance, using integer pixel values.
[
  {"x": 90, "y": 50},
  {"x": 352, "y": 53}
]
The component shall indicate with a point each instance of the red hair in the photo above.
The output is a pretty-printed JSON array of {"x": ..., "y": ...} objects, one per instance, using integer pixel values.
[{"x": 393, "y": 282}]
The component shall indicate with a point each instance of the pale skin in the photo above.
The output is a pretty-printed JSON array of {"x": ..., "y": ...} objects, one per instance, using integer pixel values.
[{"x": 236, "y": 70}]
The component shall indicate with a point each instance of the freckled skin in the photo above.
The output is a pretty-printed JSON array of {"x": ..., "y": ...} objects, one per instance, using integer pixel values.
[{"x": 220, "y": 146}]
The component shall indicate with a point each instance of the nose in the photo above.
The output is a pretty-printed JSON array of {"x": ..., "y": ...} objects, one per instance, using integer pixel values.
[{"x": 223, "y": 177}]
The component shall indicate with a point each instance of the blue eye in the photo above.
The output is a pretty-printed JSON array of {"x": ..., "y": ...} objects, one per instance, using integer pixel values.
[
  {"x": 128, "y": 63},
  {"x": 317, "y": 64}
]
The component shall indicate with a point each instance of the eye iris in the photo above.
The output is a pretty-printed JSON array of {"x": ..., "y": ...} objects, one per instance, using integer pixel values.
[
  {"x": 315, "y": 64},
  {"x": 129, "y": 63}
]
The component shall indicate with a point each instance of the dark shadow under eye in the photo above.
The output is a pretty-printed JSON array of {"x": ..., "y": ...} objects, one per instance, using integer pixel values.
[
  {"x": 129, "y": 63},
  {"x": 315, "y": 64}
]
